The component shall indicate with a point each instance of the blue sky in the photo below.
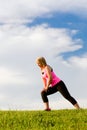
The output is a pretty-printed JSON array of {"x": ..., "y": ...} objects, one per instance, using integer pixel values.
[{"x": 53, "y": 29}]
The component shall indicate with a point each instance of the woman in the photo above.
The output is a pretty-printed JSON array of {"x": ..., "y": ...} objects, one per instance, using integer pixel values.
[{"x": 52, "y": 84}]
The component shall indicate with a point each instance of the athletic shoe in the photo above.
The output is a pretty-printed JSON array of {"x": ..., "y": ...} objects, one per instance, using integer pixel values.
[{"x": 48, "y": 109}]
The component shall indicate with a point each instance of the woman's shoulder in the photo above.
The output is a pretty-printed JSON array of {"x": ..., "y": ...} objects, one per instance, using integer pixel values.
[{"x": 48, "y": 67}]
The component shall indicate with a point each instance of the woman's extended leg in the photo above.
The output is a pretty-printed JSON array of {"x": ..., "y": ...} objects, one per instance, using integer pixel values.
[{"x": 64, "y": 91}]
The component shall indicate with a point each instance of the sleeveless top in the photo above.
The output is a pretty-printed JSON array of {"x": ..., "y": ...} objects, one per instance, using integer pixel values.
[{"x": 55, "y": 79}]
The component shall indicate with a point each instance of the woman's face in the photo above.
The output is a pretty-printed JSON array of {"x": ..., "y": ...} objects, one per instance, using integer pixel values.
[{"x": 39, "y": 64}]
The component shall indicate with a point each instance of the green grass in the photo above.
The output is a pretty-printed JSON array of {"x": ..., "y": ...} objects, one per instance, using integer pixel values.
[{"x": 42, "y": 120}]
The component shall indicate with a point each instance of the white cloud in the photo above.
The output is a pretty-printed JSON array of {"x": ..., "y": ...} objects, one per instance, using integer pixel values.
[
  {"x": 80, "y": 62},
  {"x": 23, "y": 11},
  {"x": 20, "y": 42},
  {"x": 11, "y": 77}
]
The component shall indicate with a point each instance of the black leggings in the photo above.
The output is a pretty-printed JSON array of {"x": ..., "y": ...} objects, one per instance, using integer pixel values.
[{"x": 61, "y": 87}]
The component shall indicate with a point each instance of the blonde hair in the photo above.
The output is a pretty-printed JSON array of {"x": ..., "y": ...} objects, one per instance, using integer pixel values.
[{"x": 41, "y": 60}]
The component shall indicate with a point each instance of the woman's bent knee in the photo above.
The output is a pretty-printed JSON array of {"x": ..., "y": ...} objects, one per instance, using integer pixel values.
[
  {"x": 44, "y": 96},
  {"x": 43, "y": 92}
]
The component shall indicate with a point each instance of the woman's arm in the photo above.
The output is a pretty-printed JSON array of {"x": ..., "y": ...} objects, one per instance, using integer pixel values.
[
  {"x": 48, "y": 71},
  {"x": 44, "y": 82}
]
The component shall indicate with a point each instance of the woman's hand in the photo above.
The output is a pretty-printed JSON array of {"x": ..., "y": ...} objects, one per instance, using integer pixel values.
[{"x": 46, "y": 88}]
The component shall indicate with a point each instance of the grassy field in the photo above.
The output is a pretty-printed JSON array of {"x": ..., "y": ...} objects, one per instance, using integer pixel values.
[{"x": 42, "y": 120}]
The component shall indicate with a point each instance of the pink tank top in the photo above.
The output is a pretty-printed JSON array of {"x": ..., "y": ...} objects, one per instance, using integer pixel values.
[{"x": 55, "y": 79}]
